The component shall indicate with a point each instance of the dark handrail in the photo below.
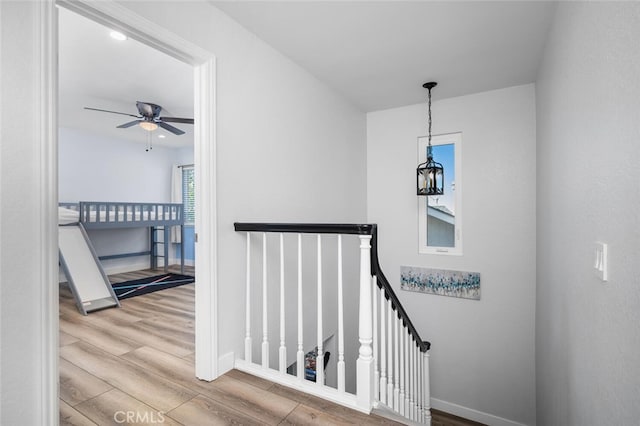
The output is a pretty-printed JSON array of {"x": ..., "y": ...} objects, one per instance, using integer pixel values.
[{"x": 345, "y": 228}]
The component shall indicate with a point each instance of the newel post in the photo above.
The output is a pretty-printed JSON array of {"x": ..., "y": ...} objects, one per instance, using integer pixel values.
[
  {"x": 427, "y": 388},
  {"x": 364, "y": 388}
]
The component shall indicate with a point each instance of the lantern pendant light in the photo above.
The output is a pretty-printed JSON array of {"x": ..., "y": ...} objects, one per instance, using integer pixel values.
[{"x": 430, "y": 173}]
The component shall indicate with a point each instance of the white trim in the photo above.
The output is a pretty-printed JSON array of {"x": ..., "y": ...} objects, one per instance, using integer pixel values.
[
  {"x": 471, "y": 414},
  {"x": 226, "y": 362},
  {"x": 122, "y": 19},
  {"x": 176, "y": 261},
  {"x": 342, "y": 398},
  {"x": 122, "y": 268},
  {"x": 1, "y": 363},
  {"x": 46, "y": 121},
  {"x": 455, "y": 138},
  {"x": 114, "y": 15},
  {"x": 206, "y": 238}
]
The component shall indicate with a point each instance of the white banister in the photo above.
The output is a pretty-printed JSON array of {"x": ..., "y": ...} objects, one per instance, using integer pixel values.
[
  {"x": 340, "y": 366},
  {"x": 403, "y": 336},
  {"x": 427, "y": 387},
  {"x": 412, "y": 395},
  {"x": 364, "y": 364},
  {"x": 392, "y": 366},
  {"x": 320, "y": 354},
  {"x": 418, "y": 382},
  {"x": 419, "y": 414},
  {"x": 247, "y": 338},
  {"x": 265, "y": 329},
  {"x": 383, "y": 350},
  {"x": 416, "y": 350},
  {"x": 300, "y": 352},
  {"x": 376, "y": 360},
  {"x": 396, "y": 364},
  {"x": 407, "y": 358},
  {"x": 390, "y": 354},
  {"x": 283, "y": 349}
]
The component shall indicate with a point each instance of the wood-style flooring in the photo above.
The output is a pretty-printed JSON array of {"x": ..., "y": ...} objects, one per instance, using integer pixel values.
[{"x": 135, "y": 365}]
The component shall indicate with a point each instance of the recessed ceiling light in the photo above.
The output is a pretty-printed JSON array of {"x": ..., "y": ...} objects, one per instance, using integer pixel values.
[
  {"x": 161, "y": 136},
  {"x": 118, "y": 36}
]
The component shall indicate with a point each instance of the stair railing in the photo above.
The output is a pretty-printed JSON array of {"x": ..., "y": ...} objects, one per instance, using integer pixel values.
[{"x": 392, "y": 367}]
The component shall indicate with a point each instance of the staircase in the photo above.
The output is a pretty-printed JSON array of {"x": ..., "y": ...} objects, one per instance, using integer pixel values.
[{"x": 306, "y": 282}]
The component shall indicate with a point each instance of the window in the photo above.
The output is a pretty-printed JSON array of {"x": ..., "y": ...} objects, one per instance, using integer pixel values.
[
  {"x": 188, "y": 195},
  {"x": 440, "y": 218}
]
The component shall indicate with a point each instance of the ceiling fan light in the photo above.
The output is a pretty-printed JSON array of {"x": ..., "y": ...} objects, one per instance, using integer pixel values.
[
  {"x": 116, "y": 35},
  {"x": 149, "y": 126}
]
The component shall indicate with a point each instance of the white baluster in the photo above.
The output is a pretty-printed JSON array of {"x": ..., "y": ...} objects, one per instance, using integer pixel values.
[
  {"x": 364, "y": 364},
  {"x": 396, "y": 363},
  {"x": 265, "y": 330},
  {"x": 300, "y": 353},
  {"x": 427, "y": 388},
  {"x": 320, "y": 355},
  {"x": 407, "y": 357},
  {"x": 340, "y": 367},
  {"x": 416, "y": 406},
  {"x": 376, "y": 359},
  {"x": 419, "y": 384},
  {"x": 403, "y": 335},
  {"x": 420, "y": 388},
  {"x": 390, "y": 354},
  {"x": 412, "y": 361},
  {"x": 383, "y": 349},
  {"x": 283, "y": 348},
  {"x": 247, "y": 338}
]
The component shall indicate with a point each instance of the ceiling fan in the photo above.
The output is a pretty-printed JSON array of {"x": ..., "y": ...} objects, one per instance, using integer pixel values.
[{"x": 149, "y": 118}]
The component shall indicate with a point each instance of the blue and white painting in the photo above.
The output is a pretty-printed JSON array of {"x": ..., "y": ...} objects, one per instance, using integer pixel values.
[{"x": 440, "y": 281}]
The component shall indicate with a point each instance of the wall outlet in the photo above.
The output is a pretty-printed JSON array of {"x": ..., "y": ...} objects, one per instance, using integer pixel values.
[{"x": 601, "y": 262}]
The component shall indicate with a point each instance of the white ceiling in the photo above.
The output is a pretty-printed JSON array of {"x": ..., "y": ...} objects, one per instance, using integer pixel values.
[
  {"x": 379, "y": 53},
  {"x": 99, "y": 72}
]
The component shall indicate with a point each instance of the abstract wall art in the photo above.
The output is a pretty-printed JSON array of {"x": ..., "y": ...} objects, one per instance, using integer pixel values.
[{"x": 441, "y": 282}]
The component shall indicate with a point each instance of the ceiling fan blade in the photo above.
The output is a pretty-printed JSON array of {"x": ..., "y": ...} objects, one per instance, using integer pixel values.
[
  {"x": 112, "y": 112},
  {"x": 170, "y": 128},
  {"x": 177, "y": 120},
  {"x": 129, "y": 124}
]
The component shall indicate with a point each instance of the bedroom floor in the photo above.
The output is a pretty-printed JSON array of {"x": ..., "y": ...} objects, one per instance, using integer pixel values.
[{"x": 135, "y": 365}]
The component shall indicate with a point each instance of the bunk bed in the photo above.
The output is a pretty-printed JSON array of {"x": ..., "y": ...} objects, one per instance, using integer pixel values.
[{"x": 158, "y": 217}]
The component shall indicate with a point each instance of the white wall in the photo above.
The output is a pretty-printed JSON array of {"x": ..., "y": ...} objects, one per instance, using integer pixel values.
[
  {"x": 482, "y": 356},
  {"x": 289, "y": 149},
  {"x": 587, "y": 333},
  {"x": 96, "y": 168}
]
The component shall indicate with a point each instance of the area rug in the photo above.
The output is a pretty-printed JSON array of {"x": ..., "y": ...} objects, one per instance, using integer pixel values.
[{"x": 133, "y": 288}]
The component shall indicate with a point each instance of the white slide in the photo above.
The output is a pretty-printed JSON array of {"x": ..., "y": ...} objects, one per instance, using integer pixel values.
[{"x": 87, "y": 280}]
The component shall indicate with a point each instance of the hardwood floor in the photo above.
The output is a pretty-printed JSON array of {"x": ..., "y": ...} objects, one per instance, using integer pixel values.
[{"x": 135, "y": 365}]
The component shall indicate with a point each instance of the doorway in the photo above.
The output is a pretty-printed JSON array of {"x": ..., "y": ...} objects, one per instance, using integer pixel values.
[{"x": 138, "y": 28}]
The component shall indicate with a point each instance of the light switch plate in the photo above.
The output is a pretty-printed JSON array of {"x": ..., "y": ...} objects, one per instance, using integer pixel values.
[{"x": 601, "y": 263}]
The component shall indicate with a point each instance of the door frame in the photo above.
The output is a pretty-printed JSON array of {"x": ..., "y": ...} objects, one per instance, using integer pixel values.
[{"x": 118, "y": 17}]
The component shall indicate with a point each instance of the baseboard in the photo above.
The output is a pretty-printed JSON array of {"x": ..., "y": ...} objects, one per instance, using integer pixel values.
[
  {"x": 187, "y": 262},
  {"x": 226, "y": 362},
  {"x": 113, "y": 269},
  {"x": 471, "y": 414},
  {"x": 125, "y": 267}
]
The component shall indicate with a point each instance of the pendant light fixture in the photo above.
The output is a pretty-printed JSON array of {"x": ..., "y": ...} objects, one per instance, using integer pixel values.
[{"x": 430, "y": 173}]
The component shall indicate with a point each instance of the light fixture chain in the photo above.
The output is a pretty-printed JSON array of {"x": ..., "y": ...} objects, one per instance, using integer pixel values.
[{"x": 429, "y": 116}]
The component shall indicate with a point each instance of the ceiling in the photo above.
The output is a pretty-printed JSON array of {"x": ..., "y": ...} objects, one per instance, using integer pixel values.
[
  {"x": 378, "y": 54},
  {"x": 99, "y": 72}
]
